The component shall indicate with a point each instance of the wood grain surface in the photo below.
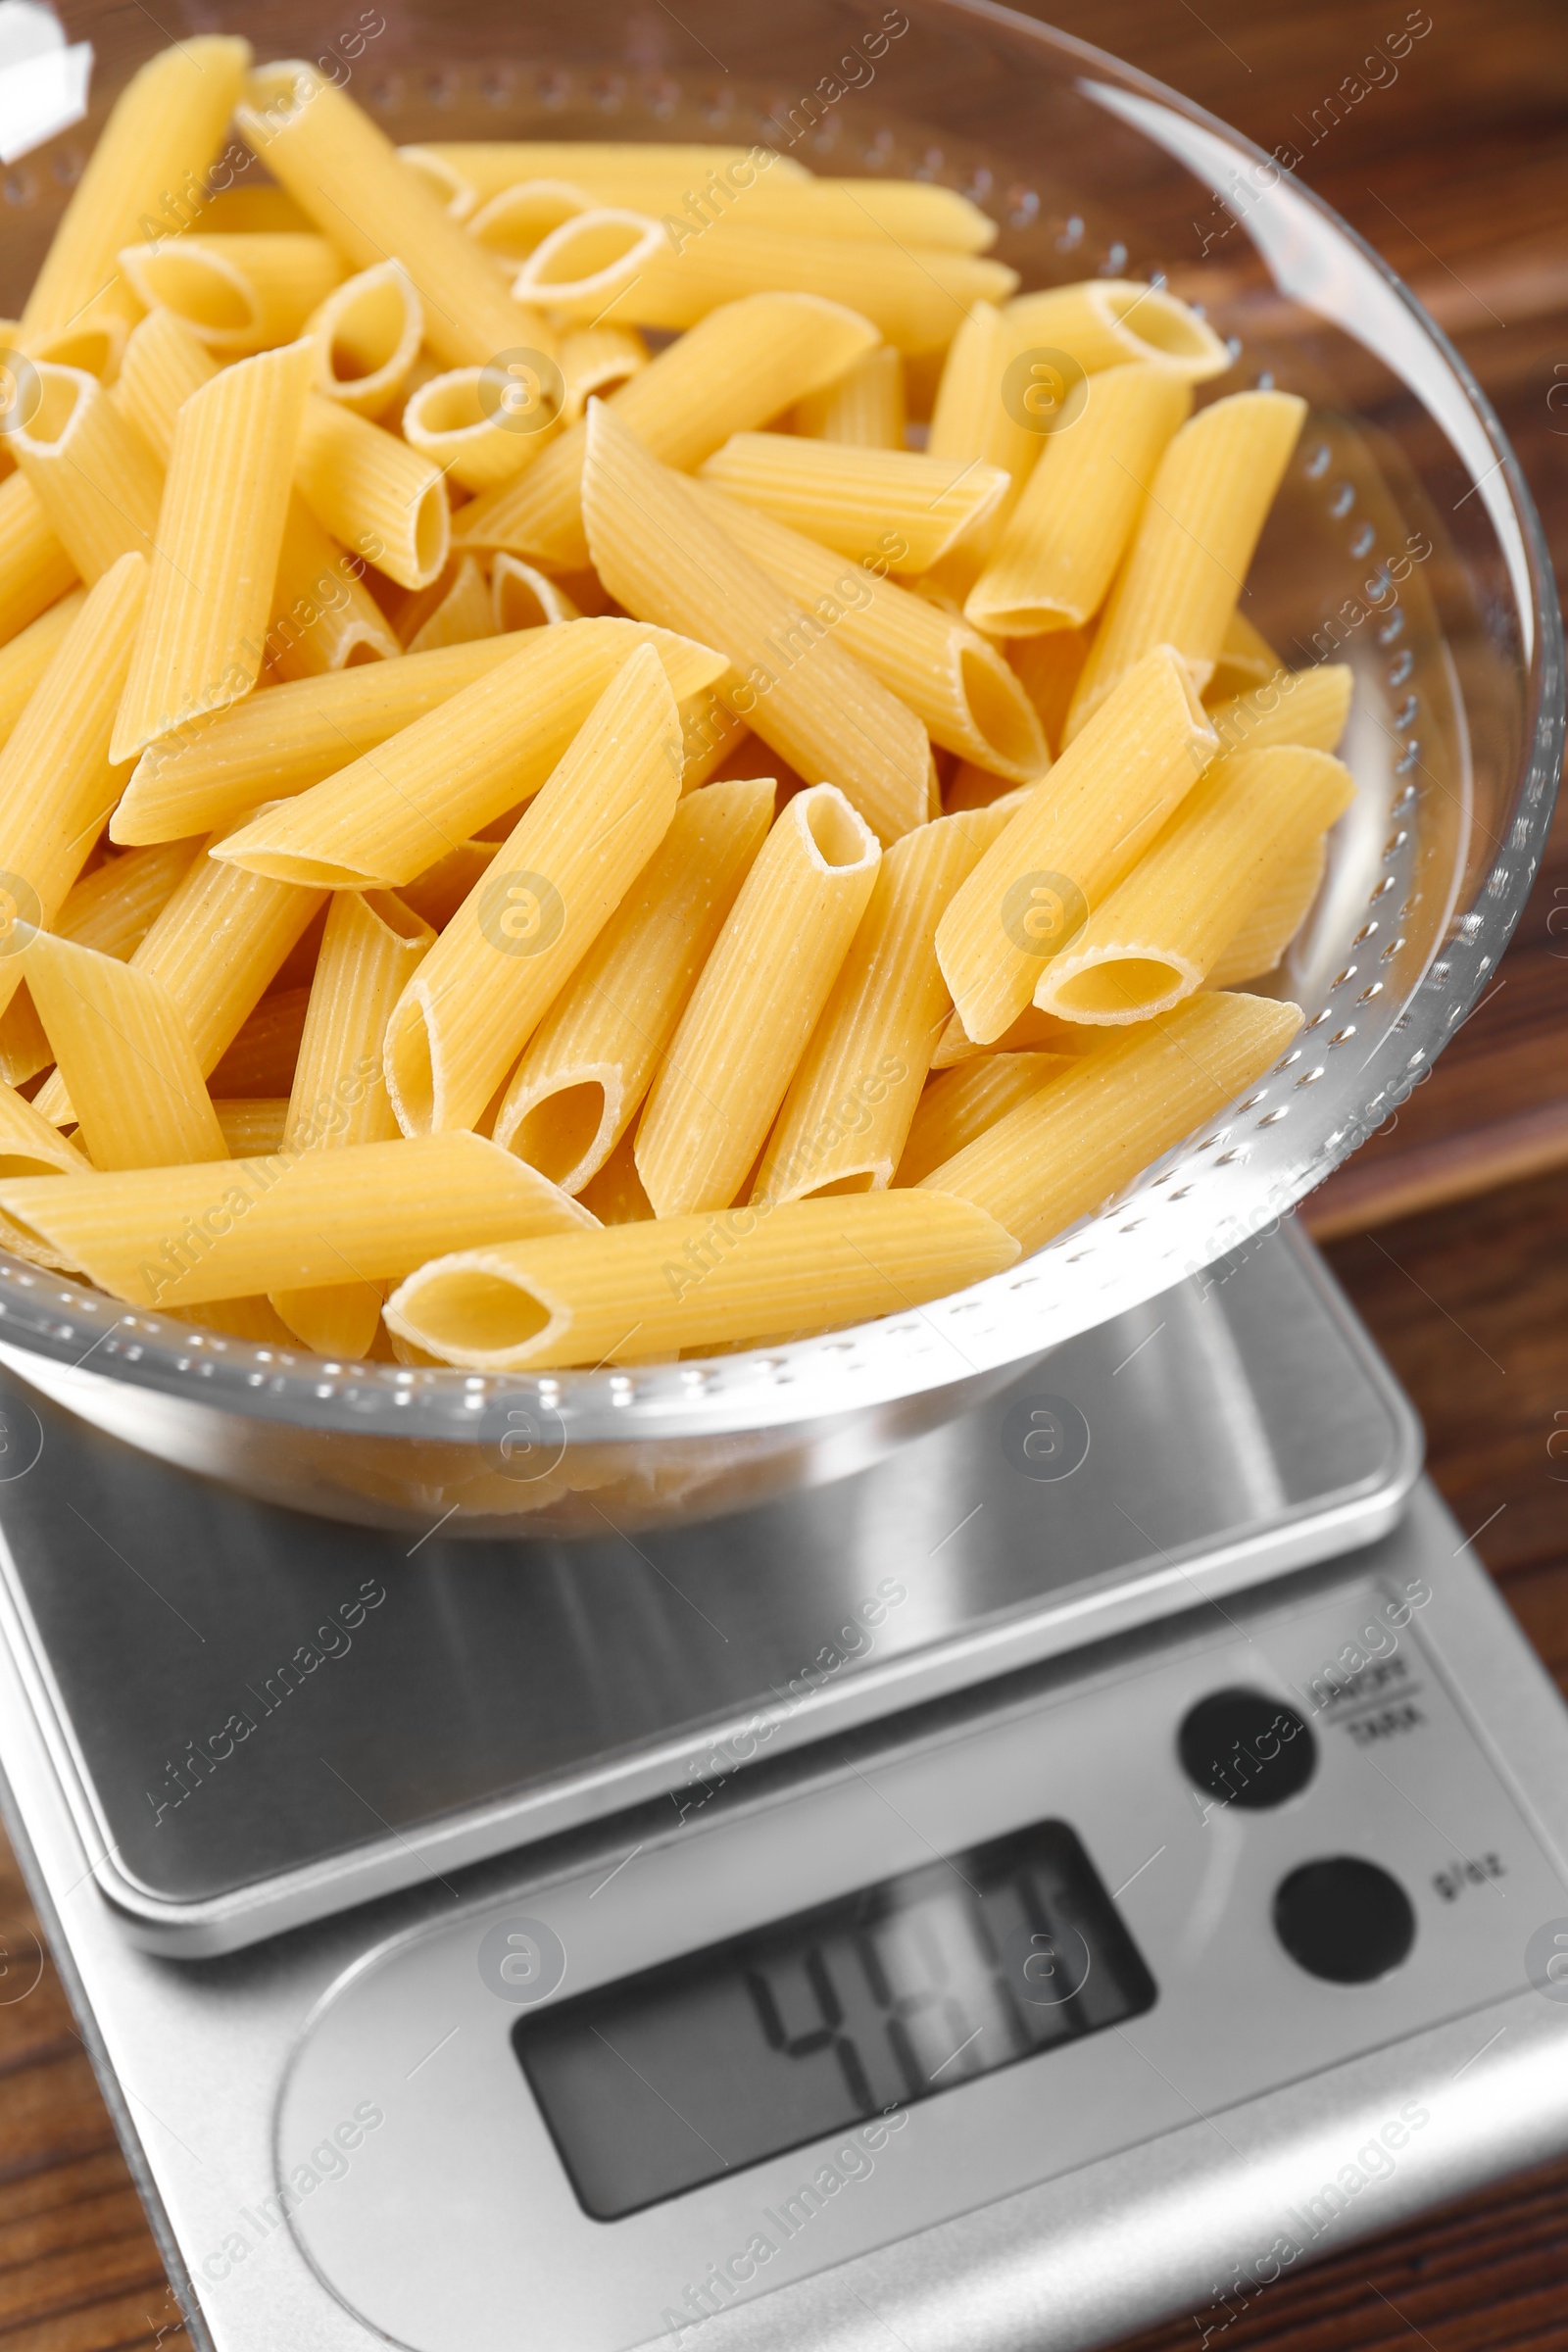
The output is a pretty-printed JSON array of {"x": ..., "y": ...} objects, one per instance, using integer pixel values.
[{"x": 1458, "y": 173}]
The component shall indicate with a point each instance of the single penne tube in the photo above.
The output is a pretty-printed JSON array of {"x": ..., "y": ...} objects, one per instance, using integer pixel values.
[
  {"x": 1031, "y": 1033},
  {"x": 1105, "y": 321},
  {"x": 1079, "y": 1139},
  {"x": 253, "y": 1124},
  {"x": 95, "y": 343},
  {"x": 1158, "y": 935},
  {"x": 914, "y": 212},
  {"x": 713, "y": 738},
  {"x": 598, "y": 359},
  {"x": 957, "y": 684},
  {"x": 30, "y": 1147},
  {"x": 959, "y": 1104},
  {"x": 1081, "y": 829},
  {"x": 373, "y": 492},
  {"x": 240, "y": 294},
  {"x": 519, "y": 935},
  {"x": 1058, "y": 554},
  {"x": 124, "y": 1053},
  {"x": 371, "y": 947},
  {"x": 461, "y": 423},
  {"x": 1284, "y": 897},
  {"x": 368, "y": 334},
  {"x": 750, "y": 1017},
  {"x": 95, "y": 477},
  {"x": 1048, "y": 668},
  {"x": 1308, "y": 707},
  {"x": 1245, "y": 659},
  {"x": 618, "y": 260},
  {"x": 512, "y": 223},
  {"x": 976, "y": 419},
  {"x": 264, "y": 1054},
  {"x": 465, "y": 612},
  {"x": 24, "y": 661},
  {"x": 523, "y": 597},
  {"x": 273, "y": 745},
  {"x": 662, "y": 557},
  {"x": 876, "y": 505},
  {"x": 169, "y": 1238},
  {"x": 633, "y": 1291},
  {"x": 583, "y": 1076},
  {"x": 165, "y": 363},
  {"x": 164, "y": 130},
  {"x": 392, "y": 814},
  {"x": 866, "y": 407},
  {"x": 491, "y": 165},
  {"x": 848, "y": 1110},
  {"x": 744, "y": 364},
  {"x": 220, "y": 529},
  {"x": 324, "y": 617},
  {"x": 347, "y": 176},
  {"x": 455, "y": 195},
  {"x": 35, "y": 571},
  {"x": 57, "y": 785},
  {"x": 111, "y": 910},
  {"x": 1205, "y": 509}
]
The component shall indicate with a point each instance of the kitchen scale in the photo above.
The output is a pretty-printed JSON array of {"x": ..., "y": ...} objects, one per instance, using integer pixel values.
[{"x": 1074, "y": 1873}]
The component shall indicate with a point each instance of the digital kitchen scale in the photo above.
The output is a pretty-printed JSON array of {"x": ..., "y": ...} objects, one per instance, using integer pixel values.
[{"x": 1074, "y": 1873}]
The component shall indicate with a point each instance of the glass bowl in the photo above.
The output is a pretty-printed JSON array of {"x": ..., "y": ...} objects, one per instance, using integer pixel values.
[{"x": 1404, "y": 542}]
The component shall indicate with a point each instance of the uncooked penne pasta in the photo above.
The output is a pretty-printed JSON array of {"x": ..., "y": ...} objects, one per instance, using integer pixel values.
[
  {"x": 866, "y": 407},
  {"x": 30, "y": 1147},
  {"x": 854, "y": 1094},
  {"x": 95, "y": 344},
  {"x": 391, "y": 814},
  {"x": 1206, "y": 505},
  {"x": 241, "y": 212},
  {"x": 437, "y": 895},
  {"x": 368, "y": 334},
  {"x": 253, "y": 1124},
  {"x": 1245, "y": 659},
  {"x": 167, "y": 126},
  {"x": 332, "y": 156},
  {"x": 240, "y": 294},
  {"x": 512, "y": 223},
  {"x": 1105, "y": 321},
  {"x": 1295, "y": 705},
  {"x": 977, "y": 418},
  {"x": 598, "y": 359},
  {"x": 165, "y": 363},
  {"x": 583, "y": 1076},
  {"x": 742, "y": 366},
  {"x": 1031, "y": 1033},
  {"x": 1284, "y": 897},
  {"x": 124, "y": 1053},
  {"x": 615, "y": 1195},
  {"x": 1081, "y": 829},
  {"x": 1078, "y": 1139},
  {"x": 959, "y": 1104},
  {"x": 373, "y": 492},
  {"x": 1057, "y": 558},
  {"x": 460, "y": 422},
  {"x": 752, "y": 1014},
  {"x": 111, "y": 910},
  {"x": 958, "y": 685},
  {"x": 220, "y": 529},
  {"x": 455, "y": 195},
  {"x": 523, "y": 598},
  {"x": 525, "y": 929},
  {"x": 169, "y": 1238},
  {"x": 894, "y": 506},
  {"x": 1156, "y": 937},
  {"x": 690, "y": 1282},
  {"x": 264, "y": 1054},
  {"x": 24, "y": 660},
  {"x": 371, "y": 947},
  {"x": 324, "y": 617},
  {"x": 95, "y": 477},
  {"x": 465, "y": 612},
  {"x": 1048, "y": 668},
  {"x": 666, "y": 171},
  {"x": 35, "y": 571},
  {"x": 661, "y": 556}
]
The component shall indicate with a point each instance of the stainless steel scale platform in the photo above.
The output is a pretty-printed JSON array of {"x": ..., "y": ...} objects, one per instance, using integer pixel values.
[{"x": 1076, "y": 1872}]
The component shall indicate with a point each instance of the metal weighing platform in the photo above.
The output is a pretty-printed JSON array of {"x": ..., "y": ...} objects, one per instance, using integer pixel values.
[{"x": 1076, "y": 1872}]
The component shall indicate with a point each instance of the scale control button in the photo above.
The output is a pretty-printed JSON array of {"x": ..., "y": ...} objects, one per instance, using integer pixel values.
[
  {"x": 1345, "y": 1919},
  {"x": 1247, "y": 1748}
]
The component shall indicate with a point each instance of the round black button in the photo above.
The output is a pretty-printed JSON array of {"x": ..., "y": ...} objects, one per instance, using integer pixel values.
[
  {"x": 1344, "y": 1919},
  {"x": 1247, "y": 1748}
]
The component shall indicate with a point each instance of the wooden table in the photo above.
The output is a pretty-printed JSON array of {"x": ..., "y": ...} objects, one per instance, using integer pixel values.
[{"x": 1451, "y": 1233}]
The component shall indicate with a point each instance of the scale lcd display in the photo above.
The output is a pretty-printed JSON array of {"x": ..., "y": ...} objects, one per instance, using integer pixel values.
[{"x": 819, "y": 2023}]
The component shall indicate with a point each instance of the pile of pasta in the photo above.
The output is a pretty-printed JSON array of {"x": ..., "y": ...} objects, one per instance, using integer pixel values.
[{"x": 542, "y": 821}]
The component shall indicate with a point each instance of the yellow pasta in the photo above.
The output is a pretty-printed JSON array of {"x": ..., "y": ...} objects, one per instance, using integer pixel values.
[
  {"x": 747, "y": 1025},
  {"x": 387, "y": 816},
  {"x": 866, "y": 407},
  {"x": 1206, "y": 505},
  {"x": 123, "y": 1052},
  {"x": 1048, "y": 668},
  {"x": 30, "y": 1147},
  {"x": 636, "y": 1290},
  {"x": 225, "y": 502},
  {"x": 598, "y": 359},
  {"x": 958, "y": 686},
  {"x": 242, "y": 211},
  {"x": 35, "y": 571},
  {"x": 264, "y": 1054},
  {"x": 489, "y": 166},
  {"x": 1245, "y": 659},
  {"x": 454, "y": 194},
  {"x": 95, "y": 477},
  {"x": 111, "y": 910},
  {"x": 661, "y": 556},
  {"x": 253, "y": 1125},
  {"x": 24, "y": 661},
  {"x": 95, "y": 344},
  {"x": 371, "y": 947},
  {"x": 583, "y": 1077},
  {"x": 876, "y": 505},
  {"x": 437, "y": 893},
  {"x": 522, "y": 598},
  {"x": 1079, "y": 1139},
  {"x": 167, "y": 126},
  {"x": 165, "y": 363},
  {"x": 1031, "y": 1033},
  {"x": 461, "y": 423},
  {"x": 368, "y": 334},
  {"x": 1156, "y": 937},
  {"x": 977, "y": 418},
  {"x": 1054, "y": 561},
  {"x": 615, "y": 1195},
  {"x": 373, "y": 492},
  {"x": 1103, "y": 323},
  {"x": 525, "y": 929},
  {"x": 169, "y": 1238},
  {"x": 959, "y": 1104},
  {"x": 324, "y": 617},
  {"x": 848, "y": 1111},
  {"x": 512, "y": 223},
  {"x": 465, "y": 612},
  {"x": 284, "y": 741},
  {"x": 347, "y": 176},
  {"x": 1284, "y": 897},
  {"x": 1081, "y": 829},
  {"x": 742, "y": 366},
  {"x": 1297, "y": 706},
  {"x": 240, "y": 294}
]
